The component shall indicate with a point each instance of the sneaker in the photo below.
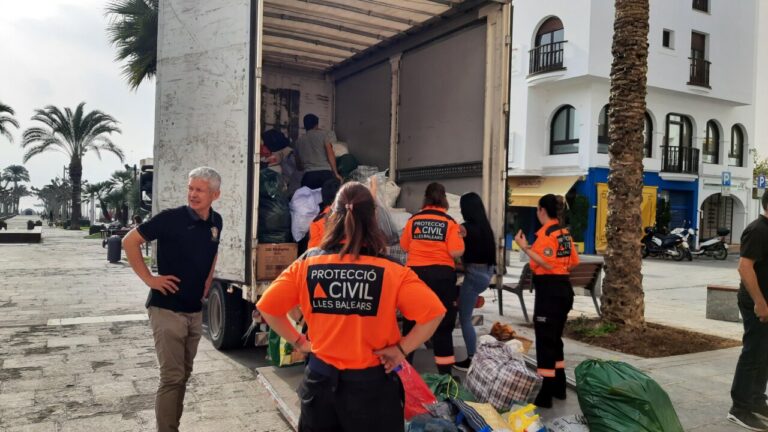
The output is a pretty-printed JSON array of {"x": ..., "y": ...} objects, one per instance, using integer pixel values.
[
  {"x": 463, "y": 365},
  {"x": 761, "y": 412},
  {"x": 747, "y": 420}
]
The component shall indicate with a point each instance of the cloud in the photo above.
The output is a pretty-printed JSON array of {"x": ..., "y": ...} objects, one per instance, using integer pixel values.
[{"x": 56, "y": 52}]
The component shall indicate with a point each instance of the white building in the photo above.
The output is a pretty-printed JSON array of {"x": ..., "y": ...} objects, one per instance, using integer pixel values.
[{"x": 700, "y": 109}]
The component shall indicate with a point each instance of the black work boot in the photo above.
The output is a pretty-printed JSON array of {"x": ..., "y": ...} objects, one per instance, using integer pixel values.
[
  {"x": 559, "y": 389},
  {"x": 544, "y": 399},
  {"x": 444, "y": 369}
]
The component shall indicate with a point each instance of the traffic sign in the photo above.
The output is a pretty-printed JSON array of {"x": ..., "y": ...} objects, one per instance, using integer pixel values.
[
  {"x": 726, "y": 178},
  {"x": 761, "y": 181}
]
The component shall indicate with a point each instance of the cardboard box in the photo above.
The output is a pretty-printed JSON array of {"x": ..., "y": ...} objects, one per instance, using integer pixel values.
[{"x": 272, "y": 259}]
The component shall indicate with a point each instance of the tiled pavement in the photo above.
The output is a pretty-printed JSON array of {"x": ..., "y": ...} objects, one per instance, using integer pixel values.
[{"x": 61, "y": 371}]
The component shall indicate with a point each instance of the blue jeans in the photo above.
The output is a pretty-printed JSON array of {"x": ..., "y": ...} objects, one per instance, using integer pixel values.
[{"x": 477, "y": 277}]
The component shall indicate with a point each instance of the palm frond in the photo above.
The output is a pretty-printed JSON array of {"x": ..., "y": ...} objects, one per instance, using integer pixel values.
[
  {"x": 7, "y": 120},
  {"x": 133, "y": 31}
]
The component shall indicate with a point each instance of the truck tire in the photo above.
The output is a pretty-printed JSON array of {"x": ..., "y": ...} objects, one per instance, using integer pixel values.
[{"x": 225, "y": 317}]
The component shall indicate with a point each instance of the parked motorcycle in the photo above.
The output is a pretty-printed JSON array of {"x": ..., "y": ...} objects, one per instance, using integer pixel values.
[
  {"x": 656, "y": 244},
  {"x": 715, "y": 247}
]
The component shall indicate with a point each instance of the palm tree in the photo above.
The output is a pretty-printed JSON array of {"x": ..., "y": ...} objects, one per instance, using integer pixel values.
[
  {"x": 18, "y": 193},
  {"x": 623, "y": 298},
  {"x": 15, "y": 174},
  {"x": 123, "y": 181},
  {"x": 133, "y": 30},
  {"x": 75, "y": 134},
  {"x": 55, "y": 197},
  {"x": 6, "y": 120},
  {"x": 99, "y": 191}
]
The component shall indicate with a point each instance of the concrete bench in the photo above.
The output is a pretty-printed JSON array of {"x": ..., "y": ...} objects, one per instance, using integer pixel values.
[{"x": 722, "y": 303}]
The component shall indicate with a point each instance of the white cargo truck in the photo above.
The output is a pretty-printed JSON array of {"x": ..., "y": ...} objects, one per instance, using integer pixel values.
[{"x": 418, "y": 87}]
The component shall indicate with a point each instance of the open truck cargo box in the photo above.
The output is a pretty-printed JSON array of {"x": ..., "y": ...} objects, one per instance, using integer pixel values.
[{"x": 415, "y": 87}]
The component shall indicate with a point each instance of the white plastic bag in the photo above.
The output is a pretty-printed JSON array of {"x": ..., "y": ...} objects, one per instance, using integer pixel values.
[
  {"x": 305, "y": 205},
  {"x": 454, "y": 207},
  {"x": 572, "y": 423},
  {"x": 386, "y": 190}
]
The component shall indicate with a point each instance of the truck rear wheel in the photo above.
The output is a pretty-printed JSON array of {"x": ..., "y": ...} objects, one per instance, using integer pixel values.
[{"x": 225, "y": 317}]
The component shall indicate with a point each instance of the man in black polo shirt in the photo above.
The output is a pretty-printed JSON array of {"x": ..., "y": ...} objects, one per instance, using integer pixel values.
[
  {"x": 187, "y": 244},
  {"x": 751, "y": 377}
]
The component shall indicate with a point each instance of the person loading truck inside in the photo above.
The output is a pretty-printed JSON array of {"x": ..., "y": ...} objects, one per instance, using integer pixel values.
[
  {"x": 316, "y": 157},
  {"x": 349, "y": 293}
]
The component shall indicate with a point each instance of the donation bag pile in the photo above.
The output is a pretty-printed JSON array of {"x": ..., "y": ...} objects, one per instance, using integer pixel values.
[{"x": 614, "y": 396}]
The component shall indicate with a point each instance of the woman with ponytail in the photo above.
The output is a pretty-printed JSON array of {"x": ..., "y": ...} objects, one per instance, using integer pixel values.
[
  {"x": 553, "y": 255},
  {"x": 433, "y": 242},
  {"x": 349, "y": 293}
]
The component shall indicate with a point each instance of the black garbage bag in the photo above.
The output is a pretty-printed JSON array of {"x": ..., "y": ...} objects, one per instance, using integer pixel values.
[
  {"x": 274, "y": 211},
  {"x": 615, "y": 396}
]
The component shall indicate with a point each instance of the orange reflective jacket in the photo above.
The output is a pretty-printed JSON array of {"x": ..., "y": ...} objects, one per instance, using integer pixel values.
[
  {"x": 317, "y": 228},
  {"x": 555, "y": 245},
  {"x": 429, "y": 238},
  {"x": 351, "y": 305}
]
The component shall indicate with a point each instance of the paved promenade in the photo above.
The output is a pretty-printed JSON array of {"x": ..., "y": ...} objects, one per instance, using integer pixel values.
[{"x": 76, "y": 353}]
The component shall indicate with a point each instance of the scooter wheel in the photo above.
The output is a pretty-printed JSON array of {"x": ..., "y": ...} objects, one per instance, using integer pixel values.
[
  {"x": 644, "y": 251},
  {"x": 721, "y": 253},
  {"x": 680, "y": 254}
]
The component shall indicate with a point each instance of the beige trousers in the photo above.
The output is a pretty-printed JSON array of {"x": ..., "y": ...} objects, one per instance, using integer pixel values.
[{"x": 177, "y": 335}]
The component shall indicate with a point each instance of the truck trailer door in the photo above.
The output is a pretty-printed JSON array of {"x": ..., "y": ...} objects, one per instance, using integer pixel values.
[{"x": 205, "y": 73}]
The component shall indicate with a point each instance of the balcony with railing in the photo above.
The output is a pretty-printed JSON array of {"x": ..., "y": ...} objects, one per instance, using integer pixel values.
[
  {"x": 682, "y": 160},
  {"x": 546, "y": 58},
  {"x": 699, "y": 72}
]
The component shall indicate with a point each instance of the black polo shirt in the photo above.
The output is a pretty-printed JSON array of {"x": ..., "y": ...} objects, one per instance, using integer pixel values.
[
  {"x": 186, "y": 247},
  {"x": 754, "y": 245}
]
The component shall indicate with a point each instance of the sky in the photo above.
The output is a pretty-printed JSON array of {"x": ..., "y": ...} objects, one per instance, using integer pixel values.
[{"x": 56, "y": 52}]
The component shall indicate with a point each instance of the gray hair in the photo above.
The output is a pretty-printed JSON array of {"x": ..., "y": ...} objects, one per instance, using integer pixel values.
[{"x": 209, "y": 174}]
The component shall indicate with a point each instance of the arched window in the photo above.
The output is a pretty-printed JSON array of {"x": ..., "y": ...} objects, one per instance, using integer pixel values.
[
  {"x": 564, "y": 136},
  {"x": 711, "y": 147},
  {"x": 604, "y": 139},
  {"x": 547, "y": 54},
  {"x": 678, "y": 154},
  {"x": 648, "y": 136},
  {"x": 736, "y": 154},
  {"x": 550, "y": 31},
  {"x": 679, "y": 131}
]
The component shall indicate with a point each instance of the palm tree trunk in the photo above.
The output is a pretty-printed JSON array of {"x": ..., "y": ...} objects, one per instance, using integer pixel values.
[
  {"x": 75, "y": 176},
  {"x": 623, "y": 298}
]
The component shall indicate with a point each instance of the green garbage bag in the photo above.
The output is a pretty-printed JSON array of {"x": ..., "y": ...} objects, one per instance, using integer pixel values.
[
  {"x": 445, "y": 387},
  {"x": 345, "y": 164},
  {"x": 274, "y": 210},
  {"x": 615, "y": 396}
]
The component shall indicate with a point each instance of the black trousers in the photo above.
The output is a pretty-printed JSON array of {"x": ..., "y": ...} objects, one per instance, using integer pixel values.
[
  {"x": 442, "y": 280},
  {"x": 749, "y": 381},
  {"x": 553, "y": 301},
  {"x": 366, "y": 400},
  {"x": 315, "y": 179}
]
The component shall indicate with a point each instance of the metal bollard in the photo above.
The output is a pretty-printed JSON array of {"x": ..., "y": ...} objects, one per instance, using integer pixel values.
[{"x": 114, "y": 249}]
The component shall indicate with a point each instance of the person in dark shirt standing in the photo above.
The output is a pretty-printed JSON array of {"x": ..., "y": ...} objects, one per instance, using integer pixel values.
[
  {"x": 479, "y": 265},
  {"x": 751, "y": 377},
  {"x": 187, "y": 245}
]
